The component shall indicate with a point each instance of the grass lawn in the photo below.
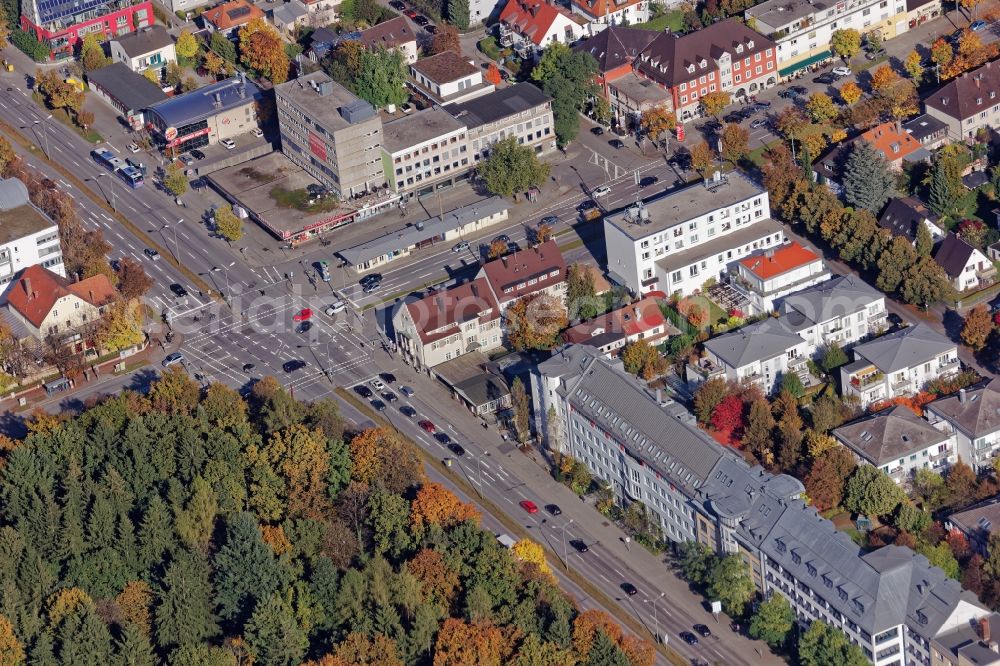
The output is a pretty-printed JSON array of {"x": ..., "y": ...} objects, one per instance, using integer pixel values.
[
  {"x": 673, "y": 20},
  {"x": 974, "y": 205},
  {"x": 715, "y": 313},
  {"x": 63, "y": 116},
  {"x": 757, "y": 154}
]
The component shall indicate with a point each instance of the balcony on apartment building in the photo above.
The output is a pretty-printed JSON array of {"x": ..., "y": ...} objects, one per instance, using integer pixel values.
[
  {"x": 903, "y": 385},
  {"x": 706, "y": 368},
  {"x": 866, "y": 377},
  {"x": 940, "y": 459},
  {"x": 878, "y": 321},
  {"x": 987, "y": 275},
  {"x": 948, "y": 367}
]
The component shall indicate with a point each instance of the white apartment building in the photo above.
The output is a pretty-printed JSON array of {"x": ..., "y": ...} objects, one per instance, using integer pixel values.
[
  {"x": 967, "y": 103},
  {"x": 898, "y": 364},
  {"x": 27, "y": 235},
  {"x": 972, "y": 416},
  {"x": 448, "y": 78},
  {"x": 763, "y": 353},
  {"x": 766, "y": 276},
  {"x": 899, "y": 443},
  {"x": 803, "y": 29},
  {"x": 423, "y": 149},
  {"x": 676, "y": 242},
  {"x": 841, "y": 311},
  {"x": 522, "y": 111}
]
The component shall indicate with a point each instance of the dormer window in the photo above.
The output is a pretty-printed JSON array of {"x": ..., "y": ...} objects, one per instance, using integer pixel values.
[
  {"x": 979, "y": 100},
  {"x": 703, "y": 64},
  {"x": 750, "y": 44},
  {"x": 993, "y": 94},
  {"x": 739, "y": 48},
  {"x": 690, "y": 69}
]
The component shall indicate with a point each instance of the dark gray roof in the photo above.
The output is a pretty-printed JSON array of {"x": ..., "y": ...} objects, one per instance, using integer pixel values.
[
  {"x": 757, "y": 342},
  {"x": 290, "y": 11},
  {"x": 923, "y": 126},
  {"x": 145, "y": 41},
  {"x": 482, "y": 389},
  {"x": 902, "y": 215},
  {"x": 953, "y": 254},
  {"x": 975, "y": 179},
  {"x": 889, "y": 435},
  {"x": 616, "y": 46},
  {"x": 975, "y": 411},
  {"x": 602, "y": 392},
  {"x": 134, "y": 91},
  {"x": 906, "y": 348},
  {"x": 498, "y": 105},
  {"x": 13, "y": 194},
  {"x": 839, "y": 296},
  {"x": 968, "y": 94},
  {"x": 201, "y": 103},
  {"x": 832, "y": 161}
]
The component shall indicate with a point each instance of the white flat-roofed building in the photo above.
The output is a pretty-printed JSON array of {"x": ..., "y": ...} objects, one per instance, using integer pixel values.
[
  {"x": 768, "y": 275},
  {"x": 424, "y": 148},
  {"x": 27, "y": 235},
  {"x": 676, "y": 242}
]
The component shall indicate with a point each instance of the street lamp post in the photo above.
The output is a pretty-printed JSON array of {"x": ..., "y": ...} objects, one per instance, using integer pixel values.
[
  {"x": 114, "y": 201},
  {"x": 565, "y": 550},
  {"x": 656, "y": 620},
  {"x": 174, "y": 227},
  {"x": 225, "y": 268},
  {"x": 45, "y": 135}
]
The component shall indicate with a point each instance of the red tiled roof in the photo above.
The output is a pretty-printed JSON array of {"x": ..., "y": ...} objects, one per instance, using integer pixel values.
[
  {"x": 232, "y": 14},
  {"x": 631, "y": 320},
  {"x": 514, "y": 271},
  {"x": 36, "y": 290},
  {"x": 779, "y": 261},
  {"x": 532, "y": 18},
  {"x": 893, "y": 143},
  {"x": 438, "y": 315},
  {"x": 598, "y": 8}
]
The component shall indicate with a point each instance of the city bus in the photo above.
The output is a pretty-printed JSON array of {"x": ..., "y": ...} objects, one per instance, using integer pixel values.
[
  {"x": 106, "y": 158},
  {"x": 131, "y": 175}
]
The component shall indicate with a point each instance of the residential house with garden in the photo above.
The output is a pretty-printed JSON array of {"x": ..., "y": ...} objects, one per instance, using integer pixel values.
[
  {"x": 229, "y": 17},
  {"x": 928, "y": 130},
  {"x": 27, "y": 235},
  {"x": 967, "y": 267},
  {"x": 889, "y": 139},
  {"x": 40, "y": 303},
  {"x": 763, "y": 352},
  {"x": 396, "y": 34},
  {"x": 767, "y": 276},
  {"x": 528, "y": 26},
  {"x": 968, "y": 103},
  {"x": 973, "y": 416},
  {"x": 841, "y": 311},
  {"x": 538, "y": 270},
  {"x": 898, "y": 442},
  {"x": 976, "y": 524},
  {"x": 289, "y": 18},
  {"x": 898, "y": 364},
  {"x": 682, "y": 241},
  {"x": 609, "y": 332},
  {"x": 149, "y": 48},
  {"x": 904, "y": 215}
]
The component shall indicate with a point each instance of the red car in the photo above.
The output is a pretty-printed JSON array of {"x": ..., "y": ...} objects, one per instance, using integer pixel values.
[
  {"x": 303, "y": 315},
  {"x": 411, "y": 14},
  {"x": 528, "y": 506},
  {"x": 427, "y": 426}
]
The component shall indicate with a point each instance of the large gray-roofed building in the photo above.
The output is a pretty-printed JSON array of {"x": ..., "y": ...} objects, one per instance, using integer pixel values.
[
  {"x": 322, "y": 99},
  {"x": 205, "y": 102},
  {"x": 975, "y": 410},
  {"x": 834, "y": 298},
  {"x": 144, "y": 41},
  {"x": 903, "y": 349},
  {"x": 498, "y": 105},
  {"x": 776, "y": 13},
  {"x": 129, "y": 93},
  {"x": 418, "y": 127},
  {"x": 758, "y": 341},
  {"x": 892, "y": 434},
  {"x": 675, "y": 260}
]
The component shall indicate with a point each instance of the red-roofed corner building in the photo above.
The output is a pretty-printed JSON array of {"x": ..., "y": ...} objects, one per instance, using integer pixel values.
[
  {"x": 893, "y": 142},
  {"x": 768, "y": 276},
  {"x": 229, "y": 17},
  {"x": 46, "y": 303},
  {"x": 642, "y": 320},
  {"x": 540, "y": 269},
  {"x": 61, "y": 24},
  {"x": 601, "y": 14},
  {"x": 528, "y": 26}
]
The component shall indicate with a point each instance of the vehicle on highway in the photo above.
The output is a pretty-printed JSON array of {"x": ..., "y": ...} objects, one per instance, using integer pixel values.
[
  {"x": 528, "y": 506},
  {"x": 648, "y": 180},
  {"x": 197, "y": 154},
  {"x": 371, "y": 278},
  {"x": 293, "y": 365},
  {"x": 151, "y": 253},
  {"x": 629, "y": 589},
  {"x": 422, "y": 21},
  {"x": 397, "y": 5},
  {"x": 703, "y": 630},
  {"x": 427, "y": 426},
  {"x": 379, "y": 405},
  {"x": 387, "y": 377},
  {"x": 842, "y": 71},
  {"x": 228, "y": 143},
  {"x": 249, "y": 367},
  {"x": 377, "y": 384},
  {"x": 178, "y": 290},
  {"x": 172, "y": 359},
  {"x": 460, "y": 247},
  {"x": 411, "y": 14},
  {"x": 457, "y": 449},
  {"x": 257, "y": 132},
  {"x": 305, "y": 314},
  {"x": 133, "y": 147},
  {"x": 553, "y": 509},
  {"x": 334, "y": 308},
  {"x": 617, "y": 144},
  {"x": 602, "y": 191},
  {"x": 975, "y": 26},
  {"x": 407, "y": 411},
  {"x": 580, "y": 546},
  {"x": 136, "y": 164},
  {"x": 389, "y": 396},
  {"x": 757, "y": 124},
  {"x": 363, "y": 391},
  {"x": 826, "y": 78},
  {"x": 584, "y": 206},
  {"x": 407, "y": 391},
  {"x": 106, "y": 158},
  {"x": 502, "y": 238},
  {"x": 372, "y": 287},
  {"x": 689, "y": 638},
  {"x": 442, "y": 437},
  {"x": 549, "y": 220}
]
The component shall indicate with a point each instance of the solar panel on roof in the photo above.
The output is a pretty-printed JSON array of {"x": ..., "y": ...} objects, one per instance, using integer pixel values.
[{"x": 239, "y": 12}]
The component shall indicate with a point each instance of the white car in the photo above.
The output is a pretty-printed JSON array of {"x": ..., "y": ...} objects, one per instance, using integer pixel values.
[
  {"x": 842, "y": 71},
  {"x": 377, "y": 384},
  {"x": 257, "y": 132},
  {"x": 133, "y": 147},
  {"x": 335, "y": 307},
  {"x": 460, "y": 247},
  {"x": 602, "y": 191},
  {"x": 228, "y": 143}
]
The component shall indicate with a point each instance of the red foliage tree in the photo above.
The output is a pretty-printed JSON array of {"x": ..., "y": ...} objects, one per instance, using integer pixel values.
[
  {"x": 727, "y": 418},
  {"x": 959, "y": 545},
  {"x": 493, "y": 74}
]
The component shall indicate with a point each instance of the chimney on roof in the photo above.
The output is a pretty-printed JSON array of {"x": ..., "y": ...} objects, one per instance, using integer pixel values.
[
  {"x": 27, "y": 286},
  {"x": 90, "y": 293},
  {"x": 984, "y": 629},
  {"x": 638, "y": 313},
  {"x": 769, "y": 253},
  {"x": 961, "y": 396}
]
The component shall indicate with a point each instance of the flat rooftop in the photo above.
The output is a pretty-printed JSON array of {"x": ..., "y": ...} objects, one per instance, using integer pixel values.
[
  {"x": 719, "y": 244},
  {"x": 20, "y": 222},
  {"x": 416, "y": 128},
  {"x": 685, "y": 204},
  {"x": 320, "y": 107},
  {"x": 778, "y": 13},
  {"x": 249, "y": 184}
]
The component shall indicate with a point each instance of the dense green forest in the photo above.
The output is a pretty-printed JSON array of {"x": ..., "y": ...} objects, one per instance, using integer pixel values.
[{"x": 193, "y": 527}]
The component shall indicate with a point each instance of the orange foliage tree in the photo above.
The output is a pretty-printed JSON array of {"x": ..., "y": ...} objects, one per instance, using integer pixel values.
[
  {"x": 587, "y": 624},
  {"x": 436, "y": 504},
  {"x": 438, "y": 580},
  {"x": 262, "y": 50},
  {"x": 11, "y": 650},
  {"x": 482, "y": 643},
  {"x": 377, "y": 455},
  {"x": 275, "y": 537},
  {"x": 134, "y": 602},
  {"x": 493, "y": 74},
  {"x": 358, "y": 649}
]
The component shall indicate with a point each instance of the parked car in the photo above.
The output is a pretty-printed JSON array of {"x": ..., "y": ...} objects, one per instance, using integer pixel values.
[
  {"x": 172, "y": 359},
  {"x": 422, "y": 21},
  {"x": 186, "y": 160},
  {"x": 875, "y": 55},
  {"x": 549, "y": 220},
  {"x": 733, "y": 117},
  {"x": 249, "y": 367},
  {"x": 133, "y": 147},
  {"x": 597, "y": 131},
  {"x": 648, "y": 180},
  {"x": 377, "y": 384},
  {"x": 799, "y": 90},
  {"x": 602, "y": 191},
  {"x": 228, "y": 143},
  {"x": 378, "y": 404},
  {"x": 389, "y": 396},
  {"x": 293, "y": 365},
  {"x": 363, "y": 391},
  {"x": 786, "y": 94},
  {"x": 257, "y": 132},
  {"x": 428, "y": 426},
  {"x": 629, "y": 589},
  {"x": 580, "y": 545},
  {"x": 431, "y": 29},
  {"x": 827, "y": 78},
  {"x": 407, "y": 391},
  {"x": 757, "y": 124},
  {"x": 975, "y": 26},
  {"x": 397, "y": 5},
  {"x": 843, "y": 71},
  {"x": 528, "y": 506},
  {"x": 387, "y": 377},
  {"x": 197, "y": 154},
  {"x": 442, "y": 437},
  {"x": 703, "y": 630},
  {"x": 410, "y": 14},
  {"x": 617, "y": 144},
  {"x": 371, "y": 278}
]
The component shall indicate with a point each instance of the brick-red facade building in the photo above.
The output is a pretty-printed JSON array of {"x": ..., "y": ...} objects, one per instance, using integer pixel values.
[{"x": 63, "y": 23}]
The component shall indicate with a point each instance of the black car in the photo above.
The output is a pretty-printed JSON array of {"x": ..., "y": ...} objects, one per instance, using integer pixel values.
[
  {"x": 387, "y": 377},
  {"x": 363, "y": 391},
  {"x": 826, "y": 79},
  {"x": 733, "y": 117},
  {"x": 553, "y": 509},
  {"x": 457, "y": 449},
  {"x": 799, "y": 90},
  {"x": 379, "y": 405},
  {"x": 703, "y": 630},
  {"x": 421, "y": 21},
  {"x": 197, "y": 154},
  {"x": 397, "y": 5},
  {"x": 248, "y": 367},
  {"x": 597, "y": 131},
  {"x": 371, "y": 278},
  {"x": 586, "y": 205},
  {"x": 580, "y": 546},
  {"x": 304, "y": 327},
  {"x": 178, "y": 290},
  {"x": 442, "y": 437},
  {"x": 630, "y": 589},
  {"x": 407, "y": 411},
  {"x": 292, "y": 366},
  {"x": 617, "y": 144},
  {"x": 502, "y": 238},
  {"x": 689, "y": 638},
  {"x": 648, "y": 180},
  {"x": 764, "y": 104},
  {"x": 787, "y": 94},
  {"x": 430, "y": 29},
  {"x": 389, "y": 396}
]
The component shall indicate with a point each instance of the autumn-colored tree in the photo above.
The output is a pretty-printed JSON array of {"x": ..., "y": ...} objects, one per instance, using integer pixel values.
[
  {"x": 480, "y": 642},
  {"x": 446, "y": 39},
  {"x": 11, "y": 649},
  {"x": 92, "y": 52},
  {"x": 883, "y": 77},
  {"x": 493, "y": 75},
  {"x": 821, "y": 108},
  {"x": 439, "y": 582},
  {"x": 714, "y": 102},
  {"x": 435, "y": 504},
  {"x": 64, "y": 602},
  {"x": 262, "y": 50},
  {"x": 174, "y": 180},
  {"x": 380, "y": 456},
  {"x": 825, "y": 481},
  {"x": 914, "y": 67},
  {"x": 186, "y": 46},
  {"x": 642, "y": 359},
  {"x": 790, "y": 122},
  {"x": 359, "y": 649},
  {"x": 298, "y": 457},
  {"x": 654, "y": 122},
  {"x": 497, "y": 248},
  {"x": 845, "y": 43},
  {"x": 275, "y": 537},
  {"x": 530, "y": 552},
  {"x": 850, "y": 92},
  {"x": 535, "y": 321},
  {"x": 133, "y": 283},
  {"x": 214, "y": 64},
  {"x": 702, "y": 157},
  {"x": 134, "y": 603},
  {"x": 543, "y": 233},
  {"x": 734, "y": 141},
  {"x": 175, "y": 392},
  {"x": 727, "y": 418},
  {"x": 121, "y": 325},
  {"x": 942, "y": 52},
  {"x": 228, "y": 224},
  {"x": 588, "y": 624},
  {"x": 977, "y": 327}
]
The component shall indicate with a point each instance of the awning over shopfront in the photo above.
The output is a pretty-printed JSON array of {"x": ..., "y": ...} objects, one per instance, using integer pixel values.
[{"x": 802, "y": 64}]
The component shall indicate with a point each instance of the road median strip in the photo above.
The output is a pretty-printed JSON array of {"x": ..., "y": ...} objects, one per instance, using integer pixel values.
[{"x": 514, "y": 528}]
